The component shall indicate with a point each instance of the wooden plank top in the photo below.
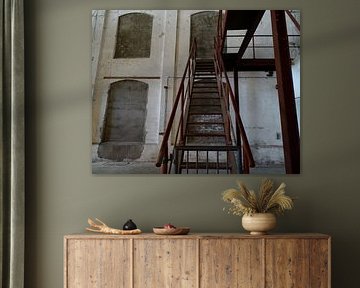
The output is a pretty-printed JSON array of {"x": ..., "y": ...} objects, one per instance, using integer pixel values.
[{"x": 200, "y": 236}]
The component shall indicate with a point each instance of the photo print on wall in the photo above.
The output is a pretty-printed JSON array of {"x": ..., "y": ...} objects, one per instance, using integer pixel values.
[{"x": 195, "y": 91}]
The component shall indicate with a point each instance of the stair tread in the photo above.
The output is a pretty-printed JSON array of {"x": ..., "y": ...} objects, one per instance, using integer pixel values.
[
  {"x": 206, "y": 113},
  {"x": 204, "y": 165},
  {"x": 198, "y": 91},
  {"x": 207, "y": 78},
  {"x": 212, "y": 134},
  {"x": 205, "y": 101},
  {"x": 205, "y": 96},
  {"x": 205, "y": 104},
  {"x": 201, "y": 118},
  {"x": 211, "y": 140},
  {"x": 204, "y": 123}
]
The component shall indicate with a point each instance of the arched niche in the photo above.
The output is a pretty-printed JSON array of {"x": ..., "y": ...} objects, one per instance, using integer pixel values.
[
  {"x": 203, "y": 28},
  {"x": 133, "y": 39},
  {"x": 124, "y": 126}
]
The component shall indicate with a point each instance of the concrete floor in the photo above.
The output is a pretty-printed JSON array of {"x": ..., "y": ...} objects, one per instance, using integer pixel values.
[{"x": 111, "y": 167}]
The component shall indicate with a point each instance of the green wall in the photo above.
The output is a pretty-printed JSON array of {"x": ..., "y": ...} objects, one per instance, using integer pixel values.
[{"x": 62, "y": 192}]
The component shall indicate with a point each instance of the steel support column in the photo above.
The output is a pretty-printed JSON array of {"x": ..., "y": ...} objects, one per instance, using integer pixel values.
[
  {"x": 289, "y": 124},
  {"x": 238, "y": 137},
  {"x": 236, "y": 91}
]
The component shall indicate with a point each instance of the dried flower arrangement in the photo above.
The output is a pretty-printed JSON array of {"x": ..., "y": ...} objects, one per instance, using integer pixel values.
[{"x": 247, "y": 202}]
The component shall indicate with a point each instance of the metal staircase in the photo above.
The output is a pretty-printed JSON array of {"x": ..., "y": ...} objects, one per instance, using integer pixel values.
[
  {"x": 204, "y": 141},
  {"x": 205, "y": 130},
  {"x": 207, "y": 147}
]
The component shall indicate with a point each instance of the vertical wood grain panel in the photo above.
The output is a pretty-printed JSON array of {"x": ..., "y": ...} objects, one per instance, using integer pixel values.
[
  {"x": 231, "y": 263},
  {"x": 319, "y": 263},
  {"x": 98, "y": 263},
  {"x": 165, "y": 263},
  {"x": 287, "y": 263}
]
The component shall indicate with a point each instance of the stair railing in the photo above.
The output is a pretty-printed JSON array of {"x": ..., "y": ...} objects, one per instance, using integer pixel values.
[
  {"x": 227, "y": 94},
  {"x": 179, "y": 108},
  {"x": 221, "y": 31}
]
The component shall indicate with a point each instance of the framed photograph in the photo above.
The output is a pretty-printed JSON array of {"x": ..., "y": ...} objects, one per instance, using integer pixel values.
[{"x": 196, "y": 91}]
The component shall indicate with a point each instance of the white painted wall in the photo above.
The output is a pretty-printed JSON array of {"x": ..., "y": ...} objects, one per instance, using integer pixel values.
[{"x": 159, "y": 64}]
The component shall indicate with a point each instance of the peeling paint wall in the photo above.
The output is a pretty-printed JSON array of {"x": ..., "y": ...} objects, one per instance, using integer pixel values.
[{"x": 148, "y": 70}]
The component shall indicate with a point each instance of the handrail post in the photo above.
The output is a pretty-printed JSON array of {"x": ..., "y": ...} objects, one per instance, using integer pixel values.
[
  {"x": 253, "y": 46},
  {"x": 238, "y": 136},
  {"x": 246, "y": 169},
  {"x": 164, "y": 165},
  {"x": 182, "y": 115}
]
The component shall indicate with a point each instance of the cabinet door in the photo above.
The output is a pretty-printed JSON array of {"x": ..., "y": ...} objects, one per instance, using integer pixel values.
[
  {"x": 287, "y": 263},
  {"x": 320, "y": 263},
  {"x": 98, "y": 263},
  {"x": 231, "y": 263},
  {"x": 165, "y": 263}
]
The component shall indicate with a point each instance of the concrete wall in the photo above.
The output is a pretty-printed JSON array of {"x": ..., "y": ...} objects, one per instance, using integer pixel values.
[
  {"x": 61, "y": 192},
  {"x": 112, "y": 69}
]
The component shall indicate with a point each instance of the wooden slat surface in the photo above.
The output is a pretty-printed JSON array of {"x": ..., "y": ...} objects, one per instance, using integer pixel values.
[
  {"x": 287, "y": 263},
  {"x": 98, "y": 264},
  {"x": 197, "y": 261},
  {"x": 231, "y": 263},
  {"x": 165, "y": 263},
  {"x": 319, "y": 263},
  {"x": 199, "y": 236}
]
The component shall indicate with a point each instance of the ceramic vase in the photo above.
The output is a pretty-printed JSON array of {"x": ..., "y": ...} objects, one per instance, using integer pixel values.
[{"x": 259, "y": 223}]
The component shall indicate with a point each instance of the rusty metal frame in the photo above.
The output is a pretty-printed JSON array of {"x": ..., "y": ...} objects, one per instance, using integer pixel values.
[{"x": 289, "y": 124}]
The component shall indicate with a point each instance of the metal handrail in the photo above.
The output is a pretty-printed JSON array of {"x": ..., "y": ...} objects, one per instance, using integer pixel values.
[
  {"x": 182, "y": 94},
  {"x": 221, "y": 35},
  {"x": 221, "y": 73}
]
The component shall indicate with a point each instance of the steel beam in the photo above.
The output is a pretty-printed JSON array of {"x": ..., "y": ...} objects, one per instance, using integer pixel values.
[
  {"x": 249, "y": 34},
  {"x": 289, "y": 124},
  {"x": 248, "y": 64}
]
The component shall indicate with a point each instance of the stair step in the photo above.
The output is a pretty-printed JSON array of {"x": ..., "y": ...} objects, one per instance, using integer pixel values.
[
  {"x": 202, "y": 95},
  {"x": 205, "y": 140},
  {"x": 204, "y": 60},
  {"x": 211, "y": 83},
  {"x": 200, "y": 123},
  {"x": 204, "y": 165},
  {"x": 205, "y": 134},
  {"x": 204, "y": 89},
  {"x": 199, "y": 91},
  {"x": 204, "y": 73},
  {"x": 205, "y": 68},
  {"x": 208, "y": 86},
  {"x": 209, "y": 109},
  {"x": 212, "y": 70},
  {"x": 205, "y": 101},
  {"x": 206, "y": 77},
  {"x": 209, "y": 118},
  {"x": 205, "y": 127},
  {"x": 206, "y": 80}
]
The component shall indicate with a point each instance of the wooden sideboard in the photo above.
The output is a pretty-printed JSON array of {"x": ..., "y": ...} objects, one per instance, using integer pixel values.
[{"x": 197, "y": 261}]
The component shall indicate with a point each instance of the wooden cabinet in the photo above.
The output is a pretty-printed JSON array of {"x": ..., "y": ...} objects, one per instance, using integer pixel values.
[{"x": 197, "y": 261}]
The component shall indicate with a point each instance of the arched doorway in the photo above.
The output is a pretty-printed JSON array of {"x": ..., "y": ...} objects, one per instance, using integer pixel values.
[
  {"x": 203, "y": 28},
  {"x": 124, "y": 126}
]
